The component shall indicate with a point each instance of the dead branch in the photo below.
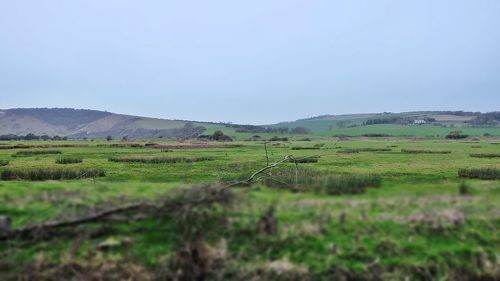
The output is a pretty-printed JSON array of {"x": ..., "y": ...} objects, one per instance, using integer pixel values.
[
  {"x": 288, "y": 158},
  {"x": 24, "y": 231}
]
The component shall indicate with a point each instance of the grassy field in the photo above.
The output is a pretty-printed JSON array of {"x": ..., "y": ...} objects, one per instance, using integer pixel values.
[{"x": 423, "y": 222}]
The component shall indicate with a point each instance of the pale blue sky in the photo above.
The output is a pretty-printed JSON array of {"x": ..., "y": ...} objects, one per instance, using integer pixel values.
[{"x": 250, "y": 61}]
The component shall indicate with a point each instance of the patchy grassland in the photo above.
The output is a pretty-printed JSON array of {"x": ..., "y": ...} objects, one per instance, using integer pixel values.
[{"x": 418, "y": 223}]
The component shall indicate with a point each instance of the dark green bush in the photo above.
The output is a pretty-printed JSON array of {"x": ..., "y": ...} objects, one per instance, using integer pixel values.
[
  {"x": 28, "y": 153},
  {"x": 39, "y": 174},
  {"x": 160, "y": 160},
  {"x": 68, "y": 160},
  {"x": 4, "y": 162},
  {"x": 480, "y": 173}
]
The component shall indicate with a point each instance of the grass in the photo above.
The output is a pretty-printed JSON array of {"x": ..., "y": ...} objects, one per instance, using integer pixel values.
[
  {"x": 28, "y": 153},
  {"x": 414, "y": 225},
  {"x": 4, "y": 162}
]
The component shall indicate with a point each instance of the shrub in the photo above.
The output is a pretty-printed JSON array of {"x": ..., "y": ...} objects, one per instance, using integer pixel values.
[
  {"x": 160, "y": 160},
  {"x": 480, "y": 173},
  {"x": 4, "y": 162},
  {"x": 485, "y": 155},
  {"x": 40, "y": 174},
  {"x": 68, "y": 160},
  {"x": 35, "y": 152},
  {"x": 417, "y": 151},
  {"x": 456, "y": 135}
]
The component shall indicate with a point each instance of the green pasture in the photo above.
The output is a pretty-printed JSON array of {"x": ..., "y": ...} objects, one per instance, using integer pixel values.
[{"x": 392, "y": 227}]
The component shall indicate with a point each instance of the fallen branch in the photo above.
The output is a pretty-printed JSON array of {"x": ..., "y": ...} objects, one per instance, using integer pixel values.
[{"x": 6, "y": 234}]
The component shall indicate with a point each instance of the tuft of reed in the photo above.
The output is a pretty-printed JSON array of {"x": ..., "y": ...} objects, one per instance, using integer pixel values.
[
  {"x": 4, "y": 162},
  {"x": 160, "y": 160},
  {"x": 68, "y": 160},
  {"x": 40, "y": 174},
  {"x": 480, "y": 173},
  {"x": 485, "y": 155},
  {"x": 28, "y": 153},
  {"x": 424, "y": 151}
]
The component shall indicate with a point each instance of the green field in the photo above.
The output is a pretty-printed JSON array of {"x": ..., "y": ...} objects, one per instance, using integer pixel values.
[{"x": 417, "y": 225}]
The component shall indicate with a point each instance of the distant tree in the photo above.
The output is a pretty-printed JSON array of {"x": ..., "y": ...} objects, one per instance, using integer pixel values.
[
  {"x": 219, "y": 136},
  {"x": 125, "y": 138},
  {"x": 299, "y": 130},
  {"x": 109, "y": 138}
]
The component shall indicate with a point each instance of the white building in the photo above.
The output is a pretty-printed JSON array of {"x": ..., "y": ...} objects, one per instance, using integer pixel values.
[{"x": 419, "y": 121}]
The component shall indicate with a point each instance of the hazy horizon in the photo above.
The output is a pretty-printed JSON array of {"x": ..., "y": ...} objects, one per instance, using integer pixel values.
[{"x": 253, "y": 63}]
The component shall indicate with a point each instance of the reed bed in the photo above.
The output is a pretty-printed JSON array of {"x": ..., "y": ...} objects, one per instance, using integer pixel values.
[
  {"x": 485, "y": 155},
  {"x": 364, "y": 149},
  {"x": 160, "y": 160},
  {"x": 28, "y": 153},
  {"x": 480, "y": 173},
  {"x": 40, "y": 174},
  {"x": 424, "y": 151}
]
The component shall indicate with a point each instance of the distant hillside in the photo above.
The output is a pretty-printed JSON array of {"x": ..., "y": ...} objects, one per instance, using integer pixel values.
[
  {"x": 419, "y": 123},
  {"x": 81, "y": 123}
]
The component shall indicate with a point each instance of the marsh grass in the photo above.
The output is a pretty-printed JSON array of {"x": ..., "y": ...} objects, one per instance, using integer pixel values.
[
  {"x": 425, "y": 151},
  {"x": 68, "y": 160},
  {"x": 29, "y": 153},
  {"x": 160, "y": 160},
  {"x": 480, "y": 173},
  {"x": 40, "y": 174}
]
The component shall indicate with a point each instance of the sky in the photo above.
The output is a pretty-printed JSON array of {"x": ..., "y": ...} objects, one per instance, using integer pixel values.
[{"x": 252, "y": 62}]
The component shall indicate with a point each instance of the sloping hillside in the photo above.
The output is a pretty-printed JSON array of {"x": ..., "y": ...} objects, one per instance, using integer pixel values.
[
  {"x": 80, "y": 123},
  {"x": 420, "y": 123}
]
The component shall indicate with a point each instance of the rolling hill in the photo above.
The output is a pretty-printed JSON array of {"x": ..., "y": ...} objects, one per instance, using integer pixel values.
[{"x": 84, "y": 123}]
